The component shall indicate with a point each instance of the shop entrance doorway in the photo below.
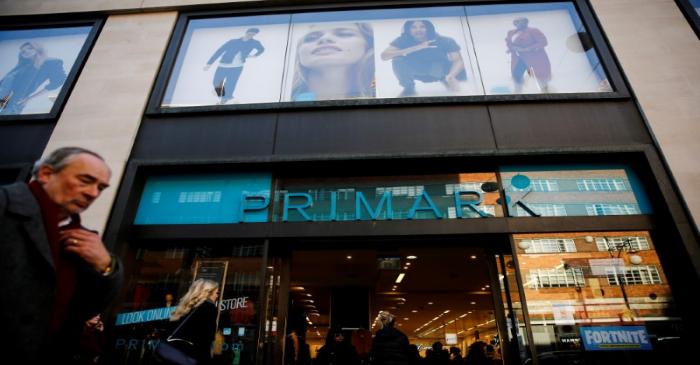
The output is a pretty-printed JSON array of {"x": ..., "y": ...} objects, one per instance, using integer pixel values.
[{"x": 443, "y": 295}]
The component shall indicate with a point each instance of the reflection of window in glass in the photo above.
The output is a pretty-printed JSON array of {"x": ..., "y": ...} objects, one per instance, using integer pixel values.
[
  {"x": 601, "y": 185},
  {"x": 636, "y": 243},
  {"x": 401, "y": 190},
  {"x": 550, "y": 245},
  {"x": 488, "y": 209},
  {"x": 199, "y": 197},
  {"x": 642, "y": 275},
  {"x": 541, "y": 185},
  {"x": 470, "y": 186},
  {"x": 556, "y": 278},
  {"x": 611, "y": 209},
  {"x": 545, "y": 210}
]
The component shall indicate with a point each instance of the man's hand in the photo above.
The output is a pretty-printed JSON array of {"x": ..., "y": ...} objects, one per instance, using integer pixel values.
[{"x": 88, "y": 246}]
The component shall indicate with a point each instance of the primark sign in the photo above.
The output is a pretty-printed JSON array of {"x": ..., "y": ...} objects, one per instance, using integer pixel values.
[
  {"x": 257, "y": 197},
  {"x": 248, "y": 198}
]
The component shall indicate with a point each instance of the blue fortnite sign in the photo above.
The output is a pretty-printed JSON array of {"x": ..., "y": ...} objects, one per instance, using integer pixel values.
[{"x": 610, "y": 338}]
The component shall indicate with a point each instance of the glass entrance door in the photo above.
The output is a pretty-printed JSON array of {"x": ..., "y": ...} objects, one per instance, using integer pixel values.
[{"x": 445, "y": 297}]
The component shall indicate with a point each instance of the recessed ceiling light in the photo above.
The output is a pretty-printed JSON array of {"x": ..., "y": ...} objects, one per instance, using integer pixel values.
[
  {"x": 430, "y": 303},
  {"x": 411, "y": 257},
  {"x": 298, "y": 288},
  {"x": 473, "y": 303},
  {"x": 408, "y": 264},
  {"x": 400, "y": 278},
  {"x": 414, "y": 311},
  {"x": 348, "y": 257},
  {"x": 473, "y": 257},
  {"x": 405, "y": 318}
]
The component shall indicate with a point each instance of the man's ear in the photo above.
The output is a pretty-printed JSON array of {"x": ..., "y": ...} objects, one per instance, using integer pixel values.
[{"x": 44, "y": 174}]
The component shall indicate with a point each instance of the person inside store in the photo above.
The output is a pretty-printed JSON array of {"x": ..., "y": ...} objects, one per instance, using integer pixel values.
[
  {"x": 389, "y": 346},
  {"x": 337, "y": 350},
  {"x": 334, "y": 62},
  {"x": 55, "y": 274},
  {"x": 21, "y": 84},
  {"x": 194, "y": 321},
  {"x": 438, "y": 355},
  {"x": 232, "y": 56},
  {"x": 476, "y": 355},
  {"x": 91, "y": 341},
  {"x": 456, "y": 356},
  {"x": 526, "y": 48},
  {"x": 420, "y": 53}
]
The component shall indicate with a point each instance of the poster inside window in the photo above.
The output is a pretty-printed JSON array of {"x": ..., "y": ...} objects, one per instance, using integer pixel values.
[
  {"x": 379, "y": 54},
  {"x": 34, "y": 64},
  {"x": 233, "y": 60},
  {"x": 535, "y": 49},
  {"x": 385, "y": 53}
]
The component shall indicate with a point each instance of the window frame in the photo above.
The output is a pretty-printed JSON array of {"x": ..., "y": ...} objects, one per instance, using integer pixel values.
[
  {"x": 154, "y": 106},
  {"x": 96, "y": 25}
]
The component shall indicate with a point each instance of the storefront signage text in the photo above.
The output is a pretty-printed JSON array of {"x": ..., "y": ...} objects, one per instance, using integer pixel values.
[
  {"x": 300, "y": 202},
  {"x": 615, "y": 338}
]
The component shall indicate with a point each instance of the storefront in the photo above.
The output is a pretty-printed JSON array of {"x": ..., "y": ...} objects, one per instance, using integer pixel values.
[
  {"x": 480, "y": 169},
  {"x": 568, "y": 268}
]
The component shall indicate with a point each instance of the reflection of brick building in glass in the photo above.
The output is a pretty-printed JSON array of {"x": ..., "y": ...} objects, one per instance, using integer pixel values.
[
  {"x": 592, "y": 278},
  {"x": 574, "y": 192}
]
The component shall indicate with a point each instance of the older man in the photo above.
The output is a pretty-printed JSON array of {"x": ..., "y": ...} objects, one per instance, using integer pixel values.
[{"x": 54, "y": 273}]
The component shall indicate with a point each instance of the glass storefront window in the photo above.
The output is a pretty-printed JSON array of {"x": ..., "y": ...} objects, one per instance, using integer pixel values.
[
  {"x": 161, "y": 276},
  {"x": 385, "y": 53},
  {"x": 204, "y": 199},
  {"x": 464, "y": 195},
  {"x": 598, "y": 293},
  {"x": 380, "y": 53},
  {"x": 227, "y": 60},
  {"x": 535, "y": 49},
  {"x": 34, "y": 65},
  {"x": 586, "y": 190}
]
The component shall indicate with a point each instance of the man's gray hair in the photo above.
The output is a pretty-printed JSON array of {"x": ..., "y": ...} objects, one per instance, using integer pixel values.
[{"x": 60, "y": 158}]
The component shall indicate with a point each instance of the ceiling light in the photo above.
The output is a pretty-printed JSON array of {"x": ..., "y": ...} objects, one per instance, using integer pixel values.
[
  {"x": 408, "y": 264},
  {"x": 348, "y": 257},
  {"x": 400, "y": 278},
  {"x": 473, "y": 257},
  {"x": 411, "y": 257},
  {"x": 473, "y": 303},
  {"x": 405, "y": 318},
  {"x": 430, "y": 303},
  {"x": 297, "y": 288},
  {"x": 414, "y": 311}
]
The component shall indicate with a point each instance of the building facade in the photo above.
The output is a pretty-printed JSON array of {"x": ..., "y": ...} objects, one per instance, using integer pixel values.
[{"x": 510, "y": 177}]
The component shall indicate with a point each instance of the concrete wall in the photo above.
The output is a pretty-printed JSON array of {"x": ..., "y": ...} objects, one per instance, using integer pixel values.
[
  {"x": 660, "y": 54},
  {"x": 36, "y": 7},
  {"x": 105, "y": 108}
]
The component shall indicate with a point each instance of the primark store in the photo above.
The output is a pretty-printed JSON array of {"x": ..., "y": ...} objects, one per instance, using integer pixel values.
[{"x": 515, "y": 177}]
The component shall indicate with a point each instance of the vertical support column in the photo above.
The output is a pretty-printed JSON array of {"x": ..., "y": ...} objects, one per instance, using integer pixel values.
[{"x": 105, "y": 108}]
